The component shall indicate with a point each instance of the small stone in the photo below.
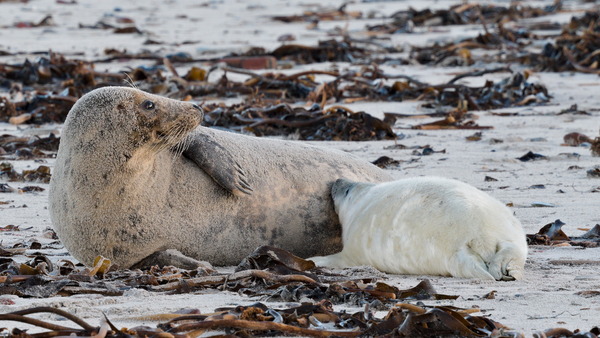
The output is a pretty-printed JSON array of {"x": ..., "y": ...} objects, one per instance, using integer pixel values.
[
  {"x": 251, "y": 62},
  {"x": 531, "y": 156},
  {"x": 542, "y": 205},
  {"x": 593, "y": 173}
]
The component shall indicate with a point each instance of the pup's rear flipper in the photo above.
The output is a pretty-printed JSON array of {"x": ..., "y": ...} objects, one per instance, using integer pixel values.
[
  {"x": 508, "y": 263},
  {"x": 332, "y": 261},
  {"x": 466, "y": 263}
]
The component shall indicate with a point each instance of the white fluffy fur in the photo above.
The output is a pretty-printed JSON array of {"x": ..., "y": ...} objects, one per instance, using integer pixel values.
[{"x": 427, "y": 225}]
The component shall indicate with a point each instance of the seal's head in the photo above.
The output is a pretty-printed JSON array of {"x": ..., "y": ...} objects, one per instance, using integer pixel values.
[
  {"x": 147, "y": 120},
  {"x": 344, "y": 191},
  {"x": 111, "y": 179}
]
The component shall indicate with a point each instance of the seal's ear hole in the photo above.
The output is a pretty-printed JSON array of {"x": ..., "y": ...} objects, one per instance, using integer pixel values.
[
  {"x": 148, "y": 105},
  {"x": 347, "y": 191}
]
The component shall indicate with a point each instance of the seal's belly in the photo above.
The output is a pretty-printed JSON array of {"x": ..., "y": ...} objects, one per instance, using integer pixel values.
[{"x": 209, "y": 223}]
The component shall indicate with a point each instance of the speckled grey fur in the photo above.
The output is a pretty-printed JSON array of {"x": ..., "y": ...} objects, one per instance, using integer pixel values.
[{"x": 115, "y": 191}]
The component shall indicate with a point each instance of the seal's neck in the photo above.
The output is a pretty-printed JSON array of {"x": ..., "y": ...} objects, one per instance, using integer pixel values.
[{"x": 115, "y": 173}]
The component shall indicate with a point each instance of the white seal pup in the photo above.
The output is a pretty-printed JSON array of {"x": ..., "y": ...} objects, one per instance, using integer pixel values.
[
  {"x": 121, "y": 187},
  {"x": 427, "y": 225}
]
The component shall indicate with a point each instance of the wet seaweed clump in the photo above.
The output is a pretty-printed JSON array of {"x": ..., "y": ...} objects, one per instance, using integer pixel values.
[
  {"x": 326, "y": 51},
  {"x": 269, "y": 273},
  {"x": 461, "y": 14},
  {"x": 44, "y": 90},
  {"x": 40, "y": 174},
  {"x": 552, "y": 234},
  {"x": 333, "y": 123},
  {"x": 28, "y": 147},
  {"x": 576, "y": 49}
]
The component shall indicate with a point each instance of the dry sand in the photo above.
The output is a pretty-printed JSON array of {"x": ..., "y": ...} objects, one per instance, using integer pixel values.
[{"x": 548, "y": 297}]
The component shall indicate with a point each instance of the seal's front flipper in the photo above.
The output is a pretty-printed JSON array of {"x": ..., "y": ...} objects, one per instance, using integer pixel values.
[
  {"x": 172, "y": 257},
  {"x": 218, "y": 163}
]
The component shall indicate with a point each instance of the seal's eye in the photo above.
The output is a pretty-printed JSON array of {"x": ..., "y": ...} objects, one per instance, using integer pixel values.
[{"x": 148, "y": 105}]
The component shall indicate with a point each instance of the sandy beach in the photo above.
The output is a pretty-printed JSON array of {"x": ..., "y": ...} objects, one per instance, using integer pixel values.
[{"x": 561, "y": 286}]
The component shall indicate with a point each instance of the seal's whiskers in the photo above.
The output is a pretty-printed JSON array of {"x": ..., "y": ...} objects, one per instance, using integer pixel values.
[
  {"x": 176, "y": 141},
  {"x": 129, "y": 81},
  {"x": 181, "y": 146}
]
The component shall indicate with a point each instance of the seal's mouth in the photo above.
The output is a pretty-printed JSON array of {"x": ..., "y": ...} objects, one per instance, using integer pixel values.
[{"x": 172, "y": 130}]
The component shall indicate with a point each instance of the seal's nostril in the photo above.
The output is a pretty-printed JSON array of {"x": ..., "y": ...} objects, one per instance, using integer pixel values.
[{"x": 198, "y": 107}]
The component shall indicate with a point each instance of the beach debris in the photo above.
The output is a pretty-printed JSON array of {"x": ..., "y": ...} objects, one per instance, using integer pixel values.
[
  {"x": 593, "y": 232},
  {"x": 4, "y": 188},
  {"x": 118, "y": 24},
  {"x": 275, "y": 259},
  {"x": 595, "y": 148},
  {"x": 552, "y": 234},
  {"x": 385, "y": 162},
  {"x": 475, "y": 137},
  {"x": 573, "y": 110},
  {"x": 576, "y": 139},
  {"x": 27, "y": 147},
  {"x": 45, "y": 22},
  {"x": 553, "y": 231},
  {"x": 31, "y": 188},
  {"x": 251, "y": 62},
  {"x": 542, "y": 205},
  {"x": 462, "y": 14},
  {"x": 531, "y": 156},
  {"x": 325, "y": 15},
  {"x": 267, "y": 271},
  {"x": 332, "y": 123},
  {"x": 455, "y": 99},
  {"x": 574, "y": 50},
  {"x": 308, "y": 319},
  {"x": 315, "y": 319},
  {"x": 266, "y": 108},
  {"x": 331, "y": 50},
  {"x": 40, "y": 174},
  {"x": 427, "y": 151},
  {"x": 593, "y": 173}
]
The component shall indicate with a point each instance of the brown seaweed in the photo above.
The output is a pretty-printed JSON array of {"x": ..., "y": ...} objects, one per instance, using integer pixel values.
[
  {"x": 552, "y": 234},
  {"x": 576, "y": 49},
  {"x": 326, "y": 15},
  {"x": 267, "y": 272},
  {"x": 304, "y": 320},
  {"x": 333, "y": 123},
  {"x": 40, "y": 174},
  {"x": 461, "y": 14}
]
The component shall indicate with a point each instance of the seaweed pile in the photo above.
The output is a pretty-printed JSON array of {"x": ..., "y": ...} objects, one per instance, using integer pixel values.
[
  {"x": 575, "y": 49},
  {"x": 462, "y": 14},
  {"x": 44, "y": 90},
  {"x": 552, "y": 234},
  {"x": 269, "y": 273},
  {"x": 266, "y": 111},
  {"x": 313, "y": 320}
]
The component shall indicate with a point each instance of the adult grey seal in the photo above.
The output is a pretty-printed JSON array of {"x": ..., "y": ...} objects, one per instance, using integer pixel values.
[
  {"x": 121, "y": 188},
  {"x": 427, "y": 225}
]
